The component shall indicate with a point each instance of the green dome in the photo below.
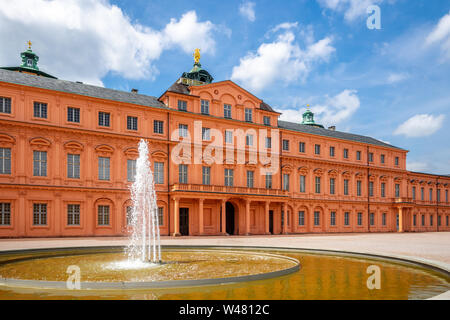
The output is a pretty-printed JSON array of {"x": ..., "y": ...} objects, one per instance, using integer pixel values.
[{"x": 308, "y": 119}]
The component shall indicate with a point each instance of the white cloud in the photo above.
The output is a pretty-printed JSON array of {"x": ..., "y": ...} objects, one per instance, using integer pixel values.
[
  {"x": 86, "y": 39},
  {"x": 332, "y": 111},
  {"x": 420, "y": 125},
  {"x": 247, "y": 10},
  {"x": 352, "y": 9},
  {"x": 396, "y": 77},
  {"x": 282, "y": 59},
  {"x": 440, "y": 36},
  {"x": 417, "y": 166}
]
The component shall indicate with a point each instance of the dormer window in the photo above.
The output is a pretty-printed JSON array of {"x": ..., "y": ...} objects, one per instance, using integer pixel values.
[
  {"x": 205, "y": 106},
  {"x": 266, "y": 121},
  {"x": 248, "y": 115},
  {"x": 29, "y": 62}
]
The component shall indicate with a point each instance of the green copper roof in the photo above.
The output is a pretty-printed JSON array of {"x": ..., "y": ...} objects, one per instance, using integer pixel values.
[
  {"x": 29, "y": 64},
  {"x": 308, "y": 119}
]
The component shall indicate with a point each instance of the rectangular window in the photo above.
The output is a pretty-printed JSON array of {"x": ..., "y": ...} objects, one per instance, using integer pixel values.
[
  {"x": 317, "y": 149},
  {"x": 372, "y": 219},
  {"x": 346, "y": 187},
  {"x": 345, "y": 153},
  {"x": 159, "y": 172},
  {"x": 268, "y": 142},
  {"x": 446, "y": 221},
  {"x": 40, "y": 110},
  {"x": 103, "y": 119},
  {"x": 183, "y": 173},
  {"x": 206, "y": 175},
  {"x": 371, "y": 188},
  {"x": 446, "y": 195},
  {"x": 229, "y": 177},
  {"x": 266, "y": 120},
  {"x": 333, "y": 218},
  {"x": 317, "y": 184},
  {"x": 182, "y": 105},
  {"x": 249, "y": 140},
  {"x": 358, "y": 155},
  {"x": 39, "y": 214},
  {"x": 129, "y": 213},
  {"x": 5, "y": 105},
  {"x": 332, "y": 185},
  {"x": 103, "y": 216},
  {"x": 415, "y": 220},
  {"x": 382, "y": 158},
  {"x": 316, "y": 218},
  {"x": 5, "y": 213},
  {"x": 204, "y": 106},
  {"x": 383, "y": 189},
  {"x": 302, "y": 183},
  {"x": 103, "y": 168},
  {"x": 422, "y": 194},
  {"x": 370, "y": 157},
  {"x": 438, "y": 195},
  {"x": 183, "y": 130},
  {"x": 285, "y": 181},
  {"x": 359, "y": 218},
  {"x": 73, "y": 214},
  {"x": 423, "y": 220},
  {"x": 431, "y": 194},
  {"x": 439, "y": 220},
  {"x": 248, "y": 115},
  {"x": 132, "y": 123},
  {"x": 160, "y": 216},
  {"x": 250, "y": 179},
  {"x": 206, "y": 134},
  {"x": 73, "y": 114},
  {"x": 131, "y": 170},
  {"x": 301, "y": 218},
  {"x": 73, "y": 166},
  {"x": 158, "y": 126},
  {"x": 396, "y": 161},
  {"x": 39, "y": 163},
  {"x": 358, "y": 188},
  {"x": 286, "y": 145},
  {"x": 268, "y": 181},
  {"x": 347, "y": 218},
  {"x": 228, "y": 136},
  {"x": 227, "y": 111},
  {"x": 414, "y": 193},
  {"x": 431, "y": 219},
  {"x": 331, "y": 151},
  {"x": 301, "y": 147}
]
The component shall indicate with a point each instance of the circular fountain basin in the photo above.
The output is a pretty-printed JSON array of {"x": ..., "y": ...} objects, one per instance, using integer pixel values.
[
  {"x": 113, "y": 270},
  {"x": 210, "y": 273}
]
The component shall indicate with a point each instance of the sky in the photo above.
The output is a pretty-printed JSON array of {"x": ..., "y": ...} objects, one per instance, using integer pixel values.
[{"x": 379, "y": 68}]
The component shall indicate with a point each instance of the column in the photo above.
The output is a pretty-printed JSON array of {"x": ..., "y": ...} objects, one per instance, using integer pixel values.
[
  {"x": 200, "y": 216},
  {"x": 284, "y": 213},
  {"x": 266, "y": 217},
  {"x": 400, "y": 220},
  {"x": 224, "y": 210},
  {"x": 176, "y": 218},
  {"x": 247, "y": 217}
]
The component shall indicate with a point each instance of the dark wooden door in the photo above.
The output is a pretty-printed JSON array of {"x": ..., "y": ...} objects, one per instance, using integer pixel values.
[
  {"x": 184, "y": 221},
  {"x": 271, "y": 221}
]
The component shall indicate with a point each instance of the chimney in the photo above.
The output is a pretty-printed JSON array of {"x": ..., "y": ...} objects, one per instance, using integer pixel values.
[
  {"x": 134, "y": 90},
  {"x": 332, "y": 128}
]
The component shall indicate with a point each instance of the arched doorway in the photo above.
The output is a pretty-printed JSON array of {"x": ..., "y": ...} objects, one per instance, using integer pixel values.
[{"x": 231, "y": 218}]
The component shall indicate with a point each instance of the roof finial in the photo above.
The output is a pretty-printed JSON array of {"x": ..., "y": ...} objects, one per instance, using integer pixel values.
[
  {"x": 29, "y": 44},
  {"x": 197, "y": 56}
]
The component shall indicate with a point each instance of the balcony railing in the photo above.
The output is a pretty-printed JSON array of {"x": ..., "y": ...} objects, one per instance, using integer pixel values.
[
  {"x": 402, "y": 200},
  {"x": 225, "y": 189}
]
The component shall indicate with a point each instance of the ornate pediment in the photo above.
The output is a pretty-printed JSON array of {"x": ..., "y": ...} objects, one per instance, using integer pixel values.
[
  {"x": 73, "y": 146},
  {"x": 104, "y": 149},
  {"x": 40, "y": 142}
]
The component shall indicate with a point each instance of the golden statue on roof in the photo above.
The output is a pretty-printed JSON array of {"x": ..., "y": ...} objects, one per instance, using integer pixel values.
[
  {"x": 197, "y": 55},
  {"x": 29, "y": 44}
]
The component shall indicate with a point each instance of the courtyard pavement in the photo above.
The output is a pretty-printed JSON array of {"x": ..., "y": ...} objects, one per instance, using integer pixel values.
[{"x": 432, "y": 248}]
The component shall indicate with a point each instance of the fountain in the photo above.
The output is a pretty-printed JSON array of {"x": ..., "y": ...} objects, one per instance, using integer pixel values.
[
  {"x": 144, "y": 241},
  {"x": 201, "y": 272}
]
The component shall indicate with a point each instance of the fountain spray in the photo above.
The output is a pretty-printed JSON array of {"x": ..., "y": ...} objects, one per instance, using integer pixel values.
[{"x": 144, "y": 243}]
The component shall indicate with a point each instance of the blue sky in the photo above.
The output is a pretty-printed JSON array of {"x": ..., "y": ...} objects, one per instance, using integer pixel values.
[{"x": 391, "y": 83}]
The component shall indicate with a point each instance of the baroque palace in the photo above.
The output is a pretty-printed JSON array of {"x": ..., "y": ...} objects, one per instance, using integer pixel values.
[{"x": 68, "y": 153}]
